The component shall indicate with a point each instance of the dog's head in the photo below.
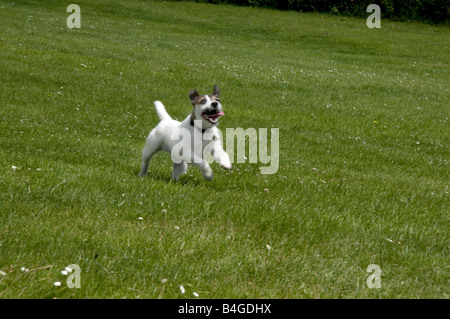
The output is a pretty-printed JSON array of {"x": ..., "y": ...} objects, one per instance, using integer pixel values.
[{"x": 206, "y": 107}]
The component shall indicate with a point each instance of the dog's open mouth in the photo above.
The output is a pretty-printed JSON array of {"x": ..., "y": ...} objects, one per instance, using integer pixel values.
[{"x": 212, "y": 116}]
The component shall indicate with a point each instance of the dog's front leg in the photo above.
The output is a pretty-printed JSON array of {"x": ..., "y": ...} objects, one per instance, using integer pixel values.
[
  {"x": 179, "y": 169},
  {"x": 222, "y": 157},
  {"x": 204, "y": 167}
]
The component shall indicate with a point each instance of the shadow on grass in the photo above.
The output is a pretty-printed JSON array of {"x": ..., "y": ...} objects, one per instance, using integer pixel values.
[{"x": 165, "y": 177}]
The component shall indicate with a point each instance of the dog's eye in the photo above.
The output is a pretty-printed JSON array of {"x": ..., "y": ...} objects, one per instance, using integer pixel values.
[{"x": 203, "y": 101}]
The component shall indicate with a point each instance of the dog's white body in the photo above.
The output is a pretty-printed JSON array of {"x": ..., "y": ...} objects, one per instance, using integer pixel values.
[{"x": 166, "y": 136}]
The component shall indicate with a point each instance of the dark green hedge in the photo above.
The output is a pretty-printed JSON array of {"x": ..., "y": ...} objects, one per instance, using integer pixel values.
[{"x": 436, "y": 11}]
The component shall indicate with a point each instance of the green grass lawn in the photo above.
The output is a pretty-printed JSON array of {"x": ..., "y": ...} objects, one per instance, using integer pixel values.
[{"x": 363, "y": 117}]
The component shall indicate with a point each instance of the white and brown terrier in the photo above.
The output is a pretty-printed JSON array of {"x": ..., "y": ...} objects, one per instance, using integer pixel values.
[{"x": 198, "y": 132}]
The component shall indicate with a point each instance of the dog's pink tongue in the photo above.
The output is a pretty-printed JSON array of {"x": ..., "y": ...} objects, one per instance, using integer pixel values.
[{"x": 216, "y": 115}]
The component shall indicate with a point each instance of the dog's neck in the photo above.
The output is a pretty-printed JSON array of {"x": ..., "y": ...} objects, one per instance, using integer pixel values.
[{"x": 192, "y": 122}]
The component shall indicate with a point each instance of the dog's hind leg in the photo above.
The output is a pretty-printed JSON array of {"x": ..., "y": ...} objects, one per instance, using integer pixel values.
[
  {"x": 179, "y": 169},
  {"x": 151, "y": 147}
]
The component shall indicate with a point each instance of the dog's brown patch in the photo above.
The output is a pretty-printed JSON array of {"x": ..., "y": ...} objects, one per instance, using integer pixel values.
[{"x": 195, "y": 97}]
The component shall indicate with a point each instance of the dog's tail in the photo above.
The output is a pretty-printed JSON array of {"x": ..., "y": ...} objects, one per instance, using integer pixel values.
[{"x": 161, "y": 110}]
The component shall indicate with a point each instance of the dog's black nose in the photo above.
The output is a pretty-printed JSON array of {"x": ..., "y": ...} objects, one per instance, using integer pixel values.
[{"x": 214, "y": 104}]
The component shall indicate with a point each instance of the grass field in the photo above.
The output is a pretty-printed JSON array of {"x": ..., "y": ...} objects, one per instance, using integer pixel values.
[{"x": 363, "y": 117}]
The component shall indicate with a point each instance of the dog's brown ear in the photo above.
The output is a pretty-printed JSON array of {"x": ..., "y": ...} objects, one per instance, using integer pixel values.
[
  {"x": 193, "y": 95},
  {"x": 216, "y": 90}
]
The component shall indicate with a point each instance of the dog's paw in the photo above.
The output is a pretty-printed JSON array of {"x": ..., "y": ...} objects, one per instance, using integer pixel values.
[
  {"x": 208, "y": 175},
  {"x": 226, "y": 166}
]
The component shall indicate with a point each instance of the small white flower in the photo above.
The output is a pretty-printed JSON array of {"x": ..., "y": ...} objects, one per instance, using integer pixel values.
[
  {"x": 141, "y": 218},
  {"x": 2, "y": 273},
  {"x": 182, "y": 289},
  {"x": 68, "y": 269},
  {"x": 14, "y": 167},
  {"x": 57, "y": 284},
  {"x": 64, "y": 272},
  {"x": 177, "y": 227},
  {"x": 268, "y": 247},
  {"x": 195, "y": 294},
  {"x": 22, "y": 268},
  {"x": 164, "y": 210},
  {"x": 164, "y": 280}
]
